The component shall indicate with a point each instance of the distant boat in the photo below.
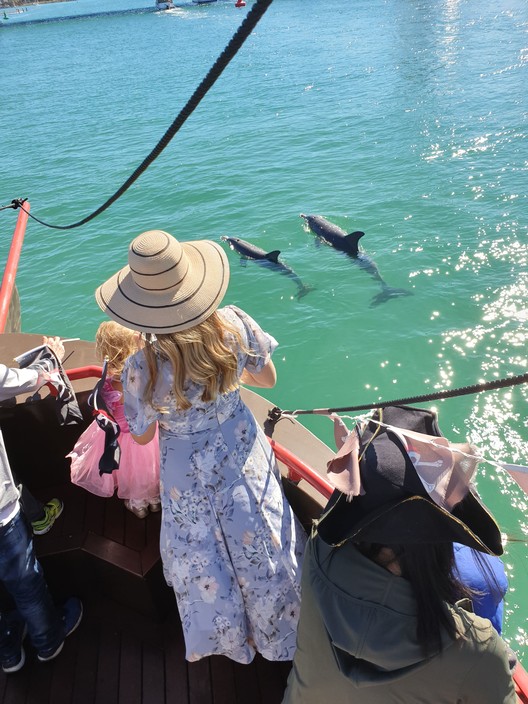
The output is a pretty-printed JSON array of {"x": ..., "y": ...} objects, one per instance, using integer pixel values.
[{"x": 165, "y": 5}]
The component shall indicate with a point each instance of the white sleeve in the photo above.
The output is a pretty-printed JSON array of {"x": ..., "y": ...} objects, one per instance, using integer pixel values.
[{"x": 17, "y": 381}]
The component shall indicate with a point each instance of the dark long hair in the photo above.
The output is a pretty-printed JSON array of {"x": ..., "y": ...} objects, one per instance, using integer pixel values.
[{"x": 430, "y": 569}]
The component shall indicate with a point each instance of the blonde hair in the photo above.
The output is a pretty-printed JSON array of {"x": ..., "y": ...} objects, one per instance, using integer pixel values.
[
  {"x": 115, "y": 342},
  {"x": 204, "y": 354}
]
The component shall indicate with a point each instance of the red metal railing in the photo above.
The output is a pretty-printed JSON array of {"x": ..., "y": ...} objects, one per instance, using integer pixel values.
[
  {"x": 84, "y": 372},
  {"x": 297, "y": 469},
  {"x": 10, "y": 271},
  {"x": 520, "y": 679}
]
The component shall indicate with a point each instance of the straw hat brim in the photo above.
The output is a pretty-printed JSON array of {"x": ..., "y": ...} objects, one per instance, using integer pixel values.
[{"x": 193, "y": 301}]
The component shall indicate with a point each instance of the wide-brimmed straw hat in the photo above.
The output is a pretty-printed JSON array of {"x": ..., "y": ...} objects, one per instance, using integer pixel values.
[
  {"x": 412, "y": 486},
  {"x": 167, "y": 286}
]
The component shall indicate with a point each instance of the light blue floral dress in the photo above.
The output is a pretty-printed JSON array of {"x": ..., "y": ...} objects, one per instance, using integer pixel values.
[{"x": 230, "y": 544}]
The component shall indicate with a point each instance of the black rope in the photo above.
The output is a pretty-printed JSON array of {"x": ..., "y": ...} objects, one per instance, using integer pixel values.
[
  {"x": 240, "y": 36},
  {"x": 275, "y": 413}
]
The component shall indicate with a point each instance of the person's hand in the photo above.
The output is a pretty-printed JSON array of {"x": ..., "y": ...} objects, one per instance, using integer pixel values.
[{"x": 55, "y": 345}]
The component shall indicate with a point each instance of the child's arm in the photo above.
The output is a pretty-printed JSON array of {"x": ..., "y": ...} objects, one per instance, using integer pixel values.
[
  {"x": 147, "y": 436},
  {"x": 266, "y": 378}
]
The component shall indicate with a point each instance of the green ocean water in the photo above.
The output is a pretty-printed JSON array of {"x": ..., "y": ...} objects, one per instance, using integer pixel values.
[{"x": 407, "y": 119}]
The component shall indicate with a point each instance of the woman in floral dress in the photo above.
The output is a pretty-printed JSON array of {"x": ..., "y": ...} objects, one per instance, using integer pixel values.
[{"x": 230, "y": 544}]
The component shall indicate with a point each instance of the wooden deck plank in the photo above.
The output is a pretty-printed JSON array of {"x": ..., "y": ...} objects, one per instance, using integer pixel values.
[
  {"x": 62, "y": 682},
  {"x": 135, "y": 536},
  {"x": 176, "y": 672},
  {"x": 39, "y": 682},
  {"x": 133, "y": 624},
  {"x": 73, "y": 516},
  {"x": 272, "y": 678},
  {"x": 222, "y": 680},
  {"x": 200, "y": 682},
  {"x": 247, "y": 684},
  {"x": 107, "y": 691},
  {"x": 153, "y": 674},
  {"x": 150, "y": 554},
  {"x": 130, "y": 671},
  {"x": 85, "y": 672},
  {"x": 16, "y": 690},
  {"x": 113, "y": 553},
  {"x": 114, "y": 520},
  {"x": 94, "y": 515}
]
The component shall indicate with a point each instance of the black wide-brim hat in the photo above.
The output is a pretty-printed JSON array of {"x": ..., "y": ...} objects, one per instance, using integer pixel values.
[{"x": 395, "y": 507}]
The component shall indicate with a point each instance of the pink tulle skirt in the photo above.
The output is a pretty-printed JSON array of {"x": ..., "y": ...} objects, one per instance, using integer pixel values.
[{"x": 137, "y": 477}]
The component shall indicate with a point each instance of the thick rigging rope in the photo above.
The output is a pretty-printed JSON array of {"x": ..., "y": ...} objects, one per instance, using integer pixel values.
[
  {"x": 240, "y": 36},
  {"x": 276, "y": 413}
]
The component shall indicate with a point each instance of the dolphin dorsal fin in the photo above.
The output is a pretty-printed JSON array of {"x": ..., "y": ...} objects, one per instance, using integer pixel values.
[
  {"x": 352, "y": 240},
  {"x": 273, "y": 256}
]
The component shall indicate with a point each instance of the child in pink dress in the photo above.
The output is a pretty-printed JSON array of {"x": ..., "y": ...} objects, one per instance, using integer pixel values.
[{"x": 137, "y": 479}]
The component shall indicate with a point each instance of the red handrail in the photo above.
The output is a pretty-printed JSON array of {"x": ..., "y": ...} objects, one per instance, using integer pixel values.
[
  {"x": 520, "y": 678},
  {"x": 84, "y": 372},
  {"x": 10, "y": 271},
  {"x": 300, "y": 470}
]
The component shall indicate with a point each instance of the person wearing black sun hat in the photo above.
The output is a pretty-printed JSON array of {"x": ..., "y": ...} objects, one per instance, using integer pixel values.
[{"x": 383, "y": 616}]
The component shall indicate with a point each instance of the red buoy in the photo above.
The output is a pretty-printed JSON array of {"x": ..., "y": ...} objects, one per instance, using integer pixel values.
[{"x": 240, "y": 3}]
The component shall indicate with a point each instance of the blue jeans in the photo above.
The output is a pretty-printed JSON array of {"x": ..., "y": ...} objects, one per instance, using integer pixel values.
[{"x": 22, "y": 576}]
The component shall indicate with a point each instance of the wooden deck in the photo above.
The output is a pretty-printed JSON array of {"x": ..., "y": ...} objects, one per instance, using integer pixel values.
[
  {"x": 120, "y": 656},
  {"x": 129, "y": 646}
]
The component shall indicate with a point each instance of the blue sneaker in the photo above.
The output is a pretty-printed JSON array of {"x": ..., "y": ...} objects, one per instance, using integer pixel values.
[
  {"x": 72, "y": 613},
  {"x": 14, "y": 630}
]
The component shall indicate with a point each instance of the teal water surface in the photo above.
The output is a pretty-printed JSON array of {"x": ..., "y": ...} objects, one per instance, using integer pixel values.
[{"x": 407, "y": 119}]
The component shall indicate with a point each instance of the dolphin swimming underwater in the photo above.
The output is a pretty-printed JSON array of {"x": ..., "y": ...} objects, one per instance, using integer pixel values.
[
  {"x": 269, "y": 259},
  {"x": 349, "y": 243}
]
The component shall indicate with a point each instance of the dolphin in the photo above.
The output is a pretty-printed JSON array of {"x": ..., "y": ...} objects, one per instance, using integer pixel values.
[
  {"x": 349, "y": 243},
  {"x": 334, "y": 235},
  {"x": 247, "y": 250}
]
